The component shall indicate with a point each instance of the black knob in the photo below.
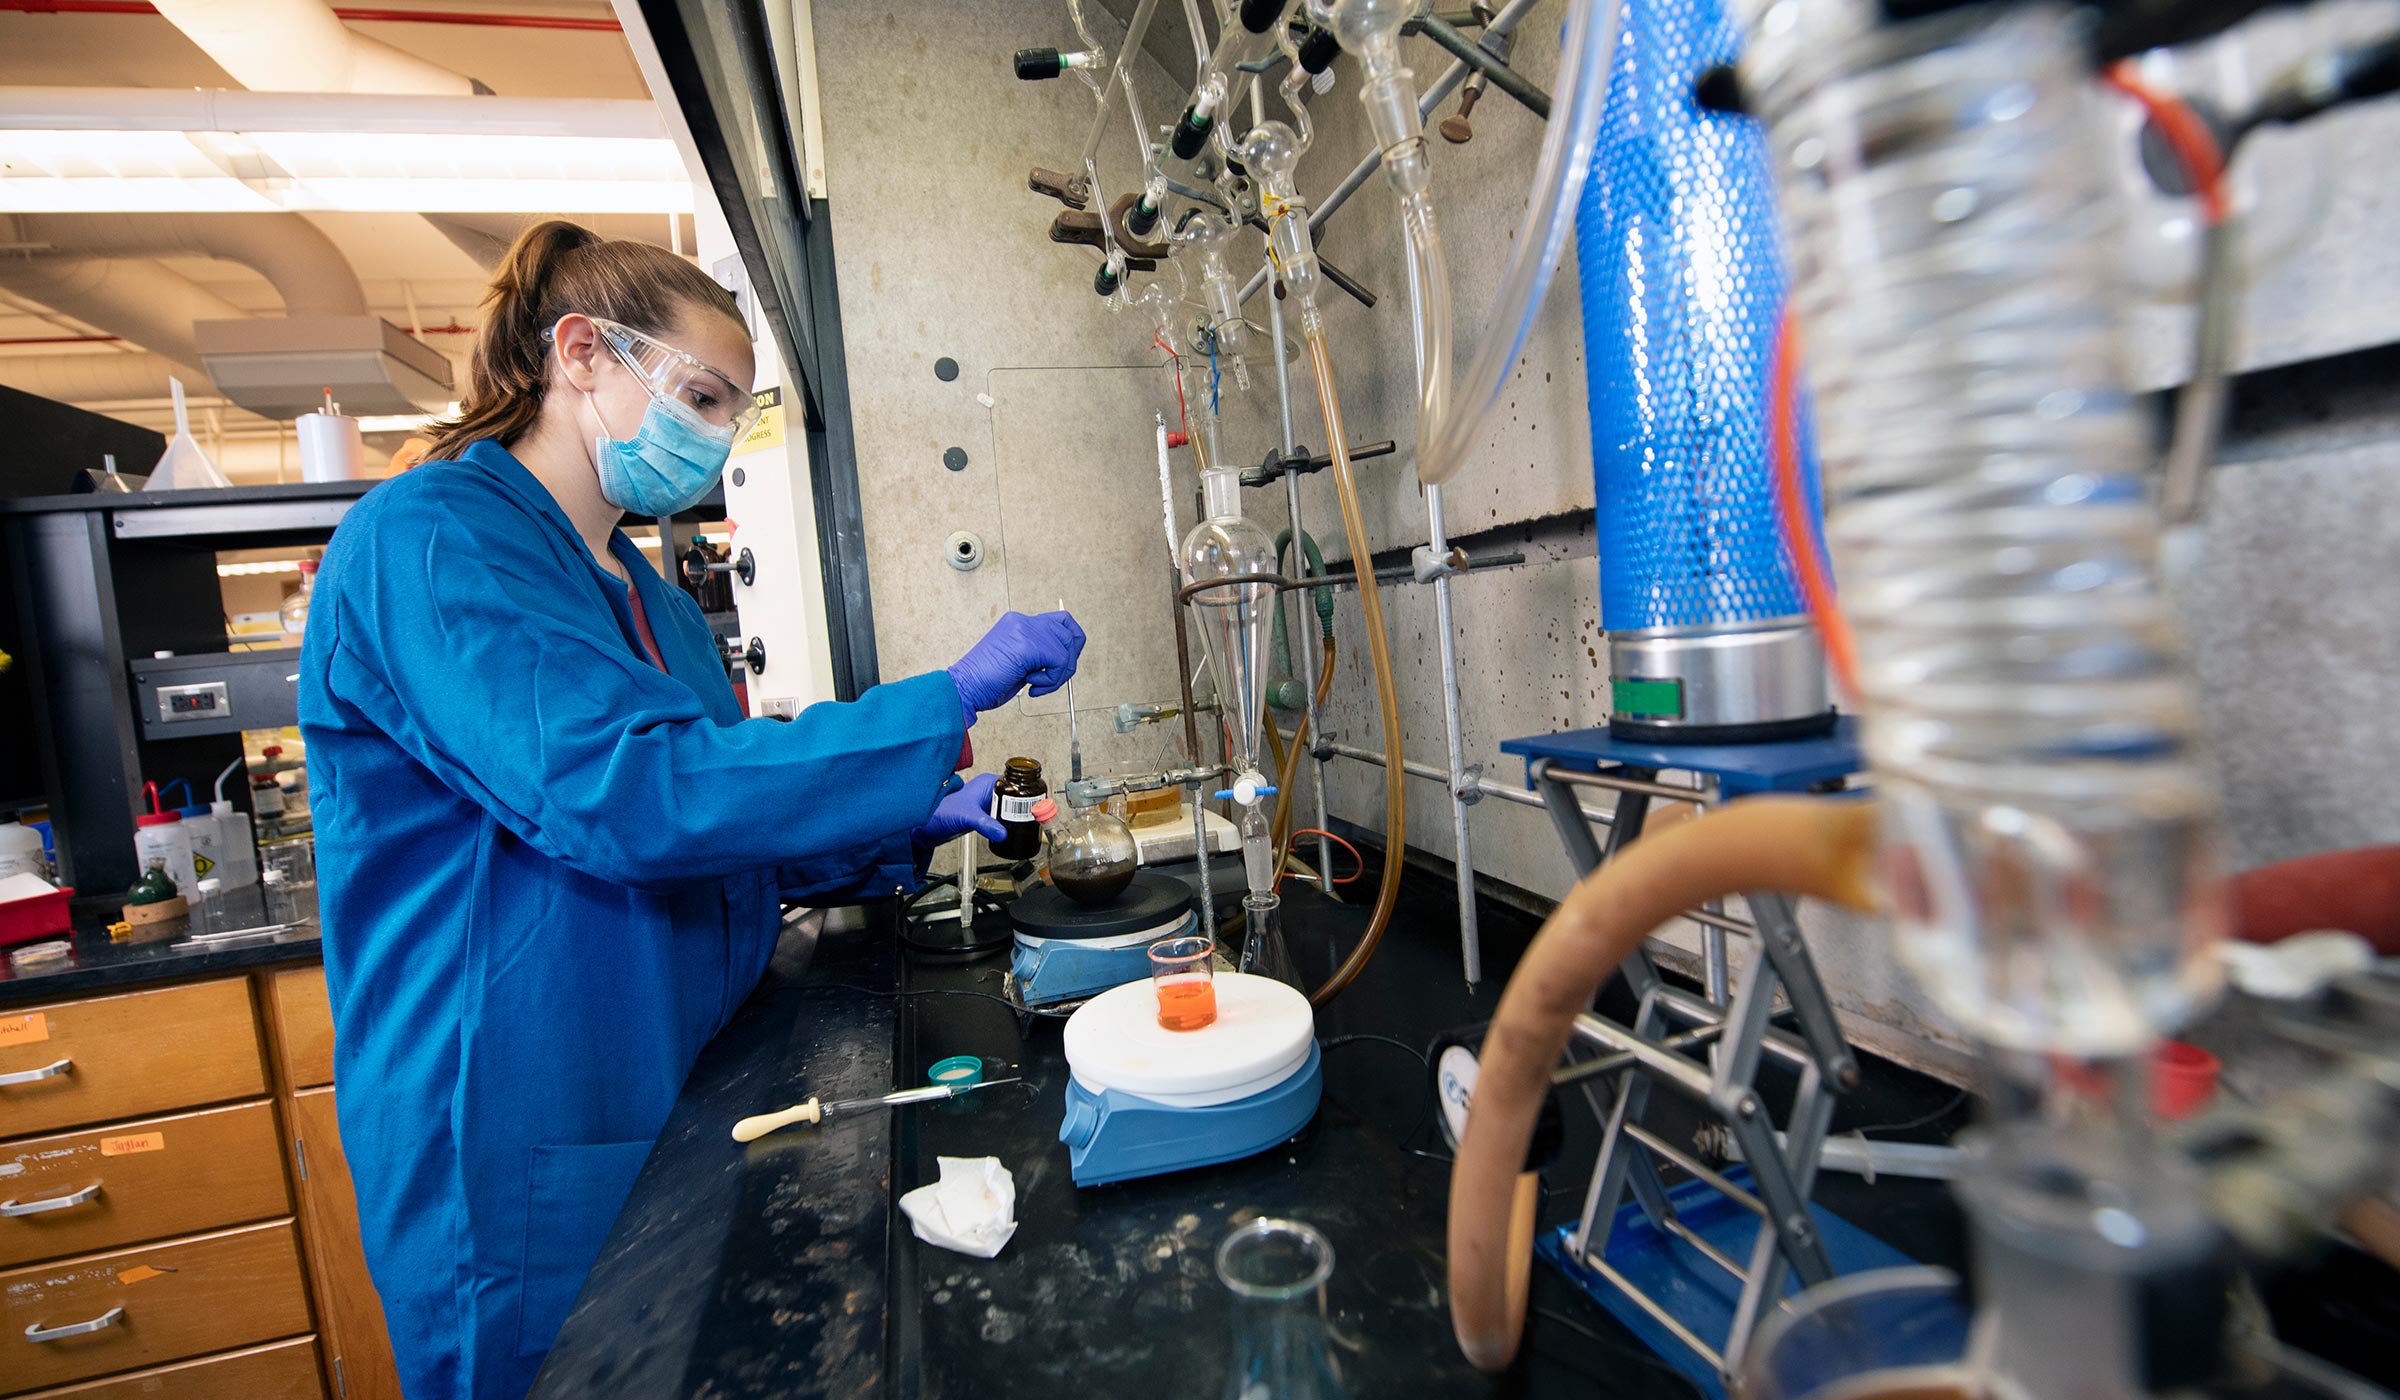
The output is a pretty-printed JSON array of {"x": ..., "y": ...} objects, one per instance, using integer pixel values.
[
  {"x": 1191, "y": 134},
  {"x": 1033, "y": 65},
  {"x": 753, "y": 655},
  {"x": 1318, "y": 50},
  {"x": 1719, "y": 89},
  {"x": 1141, "y": 218},
  {"x": 1259, "y": 16},
  {"x": 1105, "y": 281}
]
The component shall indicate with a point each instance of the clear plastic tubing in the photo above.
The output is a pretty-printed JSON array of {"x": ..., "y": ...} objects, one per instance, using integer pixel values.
[
  {"x": 2050, "y": 819},
  {"x": 1447, "y": 422}
]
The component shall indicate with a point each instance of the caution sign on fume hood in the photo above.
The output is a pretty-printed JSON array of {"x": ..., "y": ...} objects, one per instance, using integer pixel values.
[{"x": 769, "y": 430}]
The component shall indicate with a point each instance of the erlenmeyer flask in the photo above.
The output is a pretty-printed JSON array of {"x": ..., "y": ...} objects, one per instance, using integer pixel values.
[
  {"x": 1263, "y": 950},
  {"x": 1276, "y": 1271}
]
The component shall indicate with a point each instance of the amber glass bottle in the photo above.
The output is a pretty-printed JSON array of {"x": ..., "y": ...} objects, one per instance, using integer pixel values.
[{"x": 1020, "y": 784}]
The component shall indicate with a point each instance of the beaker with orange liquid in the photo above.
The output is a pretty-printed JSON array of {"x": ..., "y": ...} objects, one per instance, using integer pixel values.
[{"x": 1183, "y": 972}]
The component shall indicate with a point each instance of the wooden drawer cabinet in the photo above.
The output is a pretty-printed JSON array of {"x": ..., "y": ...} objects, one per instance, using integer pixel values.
[
  {"x": 277, "y": 1371},
  {"x": 155, "y": 1303},
  {"x": 113, "y": 1057},
  {"x": 304, "y": 1016},
  {"x": 98, "y": 1188},
  {"x": 349, "y": 1314}
]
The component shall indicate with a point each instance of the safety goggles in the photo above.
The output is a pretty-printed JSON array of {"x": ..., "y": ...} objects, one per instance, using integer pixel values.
[{"x": 708, "y": 398}]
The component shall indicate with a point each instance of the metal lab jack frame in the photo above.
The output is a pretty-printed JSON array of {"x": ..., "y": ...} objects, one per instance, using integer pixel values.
[{"x": 1708, "y": 1047}]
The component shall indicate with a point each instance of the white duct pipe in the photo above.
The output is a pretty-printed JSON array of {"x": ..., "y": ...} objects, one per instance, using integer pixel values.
[
  {"x": 302, "y": 46},
  {"x": 227, "y": 110},
  {"x": 308, "y": 272},
  {"x": 138, "y": 301},
  {"x": 89, "y": 379}
]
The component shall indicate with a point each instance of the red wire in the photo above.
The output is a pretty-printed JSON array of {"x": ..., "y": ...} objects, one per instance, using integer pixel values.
[
  {"x": 1183, "y": 419},
  {"x": 1338, "y": 841},
  {"x": 2195, "y": 146},
  {"x": 1800, "y": 539}
]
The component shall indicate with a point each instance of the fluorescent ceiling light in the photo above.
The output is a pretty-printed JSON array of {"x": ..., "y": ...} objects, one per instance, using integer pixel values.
[
  {"x": 403, "y": 422},
  {"x": 84, "y": 171}
]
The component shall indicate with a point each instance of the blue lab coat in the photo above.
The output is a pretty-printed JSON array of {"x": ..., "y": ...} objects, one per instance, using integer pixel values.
[{"x": 547, "y": 874}]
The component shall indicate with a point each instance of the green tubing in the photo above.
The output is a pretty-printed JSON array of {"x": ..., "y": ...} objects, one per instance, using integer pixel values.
[{"x": 1287, "y": 692}]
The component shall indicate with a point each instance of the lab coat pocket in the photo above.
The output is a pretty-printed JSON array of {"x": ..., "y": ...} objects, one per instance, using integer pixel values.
[{"x": 573, "y": 1195}]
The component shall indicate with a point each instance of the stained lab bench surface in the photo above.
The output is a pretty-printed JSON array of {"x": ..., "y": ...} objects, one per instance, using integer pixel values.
[{"x": 787, "y": 1268}]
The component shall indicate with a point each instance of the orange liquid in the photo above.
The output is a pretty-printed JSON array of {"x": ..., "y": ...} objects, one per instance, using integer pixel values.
[{"x": 1187, "y": 1005}]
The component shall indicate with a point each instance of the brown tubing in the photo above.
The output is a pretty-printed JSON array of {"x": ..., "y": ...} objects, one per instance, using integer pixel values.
[
  {"x": 1287, "y": 764},
  {"x": 1790, "y": 845},
  {"x": 1387, "y": 700}
]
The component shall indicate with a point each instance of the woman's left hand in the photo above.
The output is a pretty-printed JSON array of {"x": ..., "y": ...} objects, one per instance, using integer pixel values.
[{"x": 963, "y": 808}]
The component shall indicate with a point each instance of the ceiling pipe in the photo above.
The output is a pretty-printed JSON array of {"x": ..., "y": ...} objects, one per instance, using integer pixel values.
[
  {"x": 138, "y": 301},
  {"x": 350, "y": 14},
  {"x": 87, "y": 379},
  {"x": 302, "y": 45},
  {"x": 234, "y": 110},
  {"x": 307, "y": 271}
]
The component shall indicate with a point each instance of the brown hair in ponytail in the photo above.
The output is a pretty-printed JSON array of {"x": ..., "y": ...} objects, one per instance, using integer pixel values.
[{"x": 558, "y": 269}]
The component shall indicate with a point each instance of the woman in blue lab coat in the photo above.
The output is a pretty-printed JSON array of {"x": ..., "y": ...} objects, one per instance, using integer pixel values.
[{"x": 551, "y": 850}]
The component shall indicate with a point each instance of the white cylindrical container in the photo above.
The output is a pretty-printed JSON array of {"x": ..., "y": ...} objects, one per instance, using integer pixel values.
[
  {"x": 20, "y": 850},
  {"x": 161, "y": 836},
  {"x": 331, "y": 448}
]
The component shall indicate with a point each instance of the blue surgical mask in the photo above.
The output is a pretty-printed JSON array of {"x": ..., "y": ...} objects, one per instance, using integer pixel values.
[{"x": 666, "y": 466}]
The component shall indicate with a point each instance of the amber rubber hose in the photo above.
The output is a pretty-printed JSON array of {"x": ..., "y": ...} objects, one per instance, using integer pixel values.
[
  {"x": 1387, "y": 699},
  {"x": 1801, "y": 846},
  {"x": 1287, "y": 764}
]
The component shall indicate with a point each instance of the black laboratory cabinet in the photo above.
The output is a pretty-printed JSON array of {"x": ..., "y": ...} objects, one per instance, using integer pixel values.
[{"x": 122, "y": 656}]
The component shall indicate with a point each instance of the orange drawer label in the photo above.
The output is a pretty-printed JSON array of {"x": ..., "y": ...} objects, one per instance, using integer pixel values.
[
  {"x": 32, "y": 1028},
  {"x": 140, "y": 1273},
  {"x": 131, "y": 1143}
]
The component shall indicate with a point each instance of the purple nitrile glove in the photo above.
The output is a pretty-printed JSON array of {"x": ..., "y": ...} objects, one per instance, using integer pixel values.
[
  {"x": 1017, "y": 652},
  {"x": 964, "y": 808}
]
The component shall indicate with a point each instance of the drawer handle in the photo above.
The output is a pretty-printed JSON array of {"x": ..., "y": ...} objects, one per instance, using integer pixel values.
[
  {"x": 38, "y": 1333},
  {"x": 69, "y": 1200},
  {"x": 51, "y": 1070}
]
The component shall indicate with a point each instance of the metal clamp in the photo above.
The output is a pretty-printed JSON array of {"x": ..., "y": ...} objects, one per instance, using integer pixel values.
[
  {"x": 70, "y": 1200},
  {"x": 1469, "y": 787},
  {"x": 38, "y": 1333},
  {"x": 51, "y": 1070},
  {"x": 1428, "y": 566}
]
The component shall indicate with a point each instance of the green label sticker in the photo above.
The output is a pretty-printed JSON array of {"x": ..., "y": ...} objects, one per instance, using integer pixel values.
[{"x": 1647, "y": 699}]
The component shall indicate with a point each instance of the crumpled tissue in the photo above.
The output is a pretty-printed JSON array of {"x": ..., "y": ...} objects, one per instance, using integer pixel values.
[{"x": 972, "y": 1209}]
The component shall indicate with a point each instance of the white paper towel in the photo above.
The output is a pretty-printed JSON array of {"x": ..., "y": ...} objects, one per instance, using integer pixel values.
[{"x": 972, "y": 1209}]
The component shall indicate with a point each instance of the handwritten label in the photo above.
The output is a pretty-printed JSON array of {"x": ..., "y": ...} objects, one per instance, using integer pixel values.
[
  {"x": 32, "y": 1028},
  {"x": 131, "y": 1143},
  {"x": 139, "y": 1273}
]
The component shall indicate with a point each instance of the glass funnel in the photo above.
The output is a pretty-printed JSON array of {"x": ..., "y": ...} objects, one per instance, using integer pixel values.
[
  {"x": 1234, "y": 619},
  {"x": 1092, "y": 855}
]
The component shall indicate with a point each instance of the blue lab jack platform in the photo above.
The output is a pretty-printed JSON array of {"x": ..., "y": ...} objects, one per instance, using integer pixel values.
[
  {"x": 1741, "y": 770},
  {"x": 1687, "y": 1283}
]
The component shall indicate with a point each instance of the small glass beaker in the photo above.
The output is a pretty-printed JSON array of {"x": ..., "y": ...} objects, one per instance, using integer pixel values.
[
  {"x": 1276, "y": 1271},
  {"x": 1885, "y": 1334},
  {"x": 296, "y": 859},
  {"x": 1183, "y": 973},
  {"x": 209, "y": 915}
]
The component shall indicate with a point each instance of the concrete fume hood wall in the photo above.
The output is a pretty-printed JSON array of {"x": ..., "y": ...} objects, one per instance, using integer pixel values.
[{"x": 943, "y": 253}]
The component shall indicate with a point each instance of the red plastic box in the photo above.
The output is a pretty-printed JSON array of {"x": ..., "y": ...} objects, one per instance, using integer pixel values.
[{"x": 43, "y": 916}]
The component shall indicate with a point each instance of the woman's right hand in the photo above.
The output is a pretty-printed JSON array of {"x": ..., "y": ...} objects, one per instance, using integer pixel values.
[{"x": 1019, "y": 651}]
